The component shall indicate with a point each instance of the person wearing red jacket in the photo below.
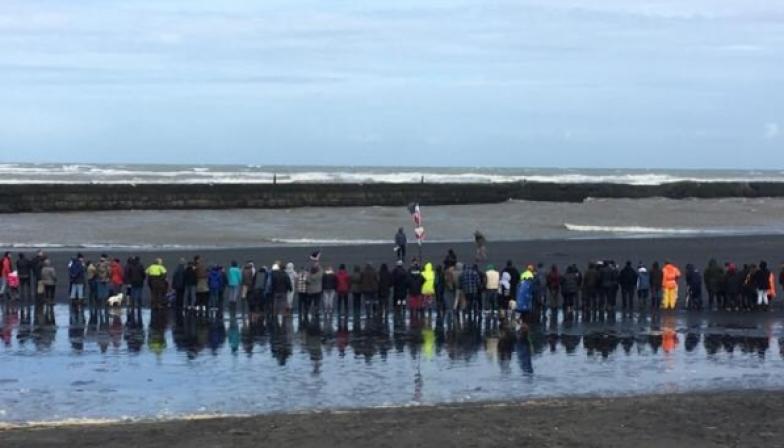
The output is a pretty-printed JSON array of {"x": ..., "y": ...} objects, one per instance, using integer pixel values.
[
  {"x": 6, "y": 267},
  {"x": 117, "y": 277},
  {"x": 343, "y": 288}
]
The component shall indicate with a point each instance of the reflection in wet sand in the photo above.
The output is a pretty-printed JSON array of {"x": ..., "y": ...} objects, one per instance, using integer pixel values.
[{"x": 192, "y": 361}]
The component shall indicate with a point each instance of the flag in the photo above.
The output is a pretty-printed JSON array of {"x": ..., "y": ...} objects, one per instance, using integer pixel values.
[{"x": 416, "y": 216}]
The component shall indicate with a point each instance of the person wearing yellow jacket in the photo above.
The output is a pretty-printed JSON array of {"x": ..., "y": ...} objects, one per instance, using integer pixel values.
[
  {"x": 429, "y": 287},
  {"x": 156, "y": 275},
  {"x": 671, "y": 274}
]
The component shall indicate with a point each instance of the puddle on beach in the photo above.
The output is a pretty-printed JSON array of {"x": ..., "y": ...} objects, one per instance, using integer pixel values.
[{"x": 77, "y": 365}]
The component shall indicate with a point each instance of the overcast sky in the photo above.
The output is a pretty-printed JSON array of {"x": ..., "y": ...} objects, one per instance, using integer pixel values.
[{"x": 599, "y": 83}]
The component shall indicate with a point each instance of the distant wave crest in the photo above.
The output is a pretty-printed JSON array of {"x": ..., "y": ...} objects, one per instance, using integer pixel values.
[{"x": 635, "y": 229}]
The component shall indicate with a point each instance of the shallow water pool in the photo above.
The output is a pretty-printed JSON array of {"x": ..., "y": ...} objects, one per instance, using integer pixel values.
[{"x": 74, "y": 364}]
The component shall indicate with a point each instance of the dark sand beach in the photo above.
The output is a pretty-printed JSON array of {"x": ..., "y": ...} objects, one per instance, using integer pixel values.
[{"x": 720, "y": 419}]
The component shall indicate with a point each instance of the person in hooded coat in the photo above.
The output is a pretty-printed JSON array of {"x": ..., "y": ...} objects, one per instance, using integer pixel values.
[
  {"x": 712, "y": 277},
  {"x": 694, "y": 282},
  {"x": 399, "y": 286},
  {"x": 761, "y": 282},
  {"x": 627, "y": 279},
  {"x": 671, "y": 274},
  {"x": 657, "y": 285},
  {"x": 643, "y": 284},
  {"x": 343, "y": 288},
  {"x": 428, "y": 287}
]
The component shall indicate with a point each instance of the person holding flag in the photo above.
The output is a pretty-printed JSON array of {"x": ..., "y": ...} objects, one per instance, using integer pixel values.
[{"x": 419, "y": 230}]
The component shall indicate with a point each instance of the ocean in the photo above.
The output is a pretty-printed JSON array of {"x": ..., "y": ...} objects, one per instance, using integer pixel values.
[
  {"x": 217, "y": 174},
  {"x": 509, "y": 221}
]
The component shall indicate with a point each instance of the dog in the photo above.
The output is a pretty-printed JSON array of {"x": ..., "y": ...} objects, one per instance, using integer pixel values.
[{"x": 116, "y": 301}]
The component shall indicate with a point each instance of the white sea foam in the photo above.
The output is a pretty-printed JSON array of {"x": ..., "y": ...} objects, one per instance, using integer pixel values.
[
  {"x": 637, "y": 229},
  {"x": 326, "y": 242},
  {"x": 68, "y": 422},
  {"x": 151, "y": 174}
]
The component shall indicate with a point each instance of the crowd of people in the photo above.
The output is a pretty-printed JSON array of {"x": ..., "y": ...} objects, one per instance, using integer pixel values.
[{"x": 452, "y": 289}]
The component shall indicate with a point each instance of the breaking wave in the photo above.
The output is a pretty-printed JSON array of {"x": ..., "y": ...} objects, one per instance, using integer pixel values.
[
  {"x": 639, "y": 230},
  {"x": 19, "y": 173}
]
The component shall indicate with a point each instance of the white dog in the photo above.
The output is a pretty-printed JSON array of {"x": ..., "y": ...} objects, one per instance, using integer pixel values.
[{"x": 116, "y": 301}]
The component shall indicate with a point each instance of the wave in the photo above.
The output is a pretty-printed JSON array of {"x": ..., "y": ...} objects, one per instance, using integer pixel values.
[
  {"x": 117, "y": 246},
  {"x": 156, "y": 174},
  {"x": 638, "y": 230},
  {"x": 326, "y": 242},
  {"x": 69, "y": 422}
]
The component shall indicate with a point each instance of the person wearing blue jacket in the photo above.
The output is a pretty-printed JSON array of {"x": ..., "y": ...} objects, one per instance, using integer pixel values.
[
  {"x": 215, "y": 282},
  {"x": 524, "y": 299}
]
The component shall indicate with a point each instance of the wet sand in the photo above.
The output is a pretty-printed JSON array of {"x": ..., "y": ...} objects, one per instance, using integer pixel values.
[
  {"x": 697, "y": 250},
  {"x": 717, "y": 419}
]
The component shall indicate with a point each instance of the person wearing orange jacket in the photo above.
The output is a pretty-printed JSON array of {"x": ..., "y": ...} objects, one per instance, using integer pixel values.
[{"x": 671, "y": 275}]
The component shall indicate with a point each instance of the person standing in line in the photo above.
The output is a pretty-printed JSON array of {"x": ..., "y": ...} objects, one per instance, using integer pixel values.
[
  {"x": 315, "y": 289},
  {"x": 49, "y": 281},
  {"x": 135, "y": 276},
  {"x": 202, "y": 282},
  {"x": 38, "y": 265},
  {"x": 92, "y": 282},
  {"x": 356, "y": 290},
  {"x": 76, "y": 276},
  {"x": 428, "y": 288},
  {"x": 590, "y": 287},
  {"x": 399, "y": 286},
  {"x": 539, "y": 304},
  {"x": 384, "y": 288},
  {"x": 670, "y": 274},
  {"x": 24, "y": 270},
  {"x": 761, "y": 282},
  {"x": 504, "y": 294},
  {"x": 781, "y": 279},
  {"x": 657, "y": 285},
  {"x": 628, "y": 282},
  {"x": 643, "y": 285},
  {"x": 117, "y": 277},
  {"x": 281, "y": 286},
  {"x": 233, "y": 282},
  {"x": 215, "y": 282},
  {"x": 178, "y": 285},
  {"x": 6, "y": 267},
  {"x": 292, "y": 273},
  {"x": 733, "y": 281},
  {"x": 246, "y": 291},
  {"x": 189, "y": 280},
  {"x": 514, "y": 275},
  {"x": 329, "y": 286},
  {"x": 570, "y": 287},
  {"x": 369, "y": 287},
  {"x": 492, "y": 285},
  {"x": 156, "y": 278},
  {"x": 470, "y": 284},
  {"x": 303, "y": 301},
  {"x": 103, "y": 274},
  {"x": 343, "y": 289},
  {"x": 553, "y": 291},
  {"x": 712, "y": 277},
  {"x": 694, "y": 283},
  {"x": 401, "y": 242},
  {"x": 414, "y": 287}
]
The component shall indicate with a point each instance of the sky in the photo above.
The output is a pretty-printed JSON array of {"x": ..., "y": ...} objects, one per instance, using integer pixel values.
[{"x": 523, "y": 83}]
